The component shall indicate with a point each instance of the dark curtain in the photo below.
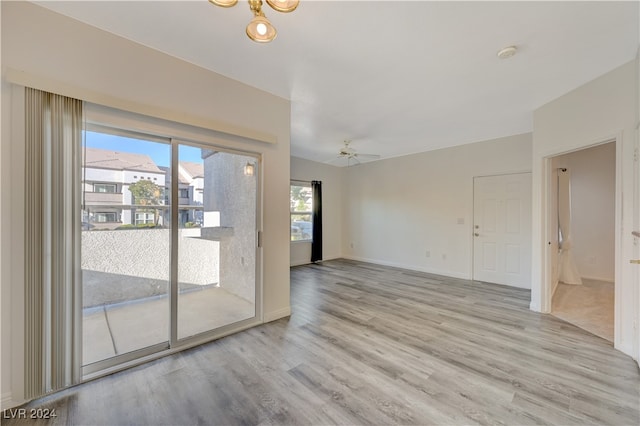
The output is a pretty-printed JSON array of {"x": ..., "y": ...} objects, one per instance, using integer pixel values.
[{"x": 316, "y": 245}]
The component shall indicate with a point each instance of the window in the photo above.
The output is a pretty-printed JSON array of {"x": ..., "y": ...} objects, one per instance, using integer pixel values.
[
  {"x": 105, "y": 187},
  {"x": 300, "y": 212},
  {"x": 144, "y": 218},
  {"x": 184, "y": 193},
  {"x": 104, "y": 217}
]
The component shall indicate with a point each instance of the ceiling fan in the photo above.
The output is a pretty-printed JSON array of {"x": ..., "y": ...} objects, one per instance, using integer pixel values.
[{"x": 351, "y": 156}]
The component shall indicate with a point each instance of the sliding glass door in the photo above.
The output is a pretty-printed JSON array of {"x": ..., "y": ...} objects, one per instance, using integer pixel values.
[
  {"x": 125, "y": 248},
  {"x": 169, "y": 244}
]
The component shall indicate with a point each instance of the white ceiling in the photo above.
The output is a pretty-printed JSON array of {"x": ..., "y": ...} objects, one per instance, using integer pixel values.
[{"x": 395, "y": 77}]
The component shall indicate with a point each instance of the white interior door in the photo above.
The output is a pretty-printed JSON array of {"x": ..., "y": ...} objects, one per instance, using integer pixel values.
[{"x": 502, "y": 229}]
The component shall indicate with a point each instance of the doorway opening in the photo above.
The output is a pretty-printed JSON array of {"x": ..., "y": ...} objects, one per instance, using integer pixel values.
[{"x": 581, "y": 233}]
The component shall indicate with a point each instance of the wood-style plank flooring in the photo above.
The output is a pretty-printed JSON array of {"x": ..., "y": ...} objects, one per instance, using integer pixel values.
[{"x": 368, "y": 344}]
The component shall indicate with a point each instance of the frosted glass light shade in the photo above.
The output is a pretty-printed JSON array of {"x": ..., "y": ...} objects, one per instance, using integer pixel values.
[
  {"x": 249, "y": 169},
  {"x": 261, "y": 30},
  {"x": 284, "y": 5}
]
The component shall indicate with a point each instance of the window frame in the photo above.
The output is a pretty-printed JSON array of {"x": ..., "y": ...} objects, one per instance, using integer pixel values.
[
  {"x": 115, "y": 216},
  {"x": 146, "y": 219},
  {"x": 293, "y": 213},
  {"x": 115, "y": 188}
]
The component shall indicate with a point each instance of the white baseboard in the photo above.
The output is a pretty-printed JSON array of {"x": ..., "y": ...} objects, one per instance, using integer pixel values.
[
  {"x": 308, "y": 262},
  {"x": 328, "y": 258},
  {"x": 276, "y": 315},
  {"x": 6, "y": 401},
  {"x": 534, "y": 307},
  {"x": 451, "y": 274},
  {"x": 605, "y": 280}
]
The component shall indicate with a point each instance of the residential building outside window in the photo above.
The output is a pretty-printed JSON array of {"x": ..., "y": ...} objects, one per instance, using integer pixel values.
[
  {"x": 300, "y": 212},
  {"x": 105, "y": 187},
  {"x": 144, "y": 218},
  {"x": 104, "y": 217}
]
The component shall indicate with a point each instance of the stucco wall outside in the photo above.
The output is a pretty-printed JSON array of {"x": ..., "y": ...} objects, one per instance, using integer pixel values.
[
  {"x": 132, "y": 264},
  {"x": 233, "y": 194}
]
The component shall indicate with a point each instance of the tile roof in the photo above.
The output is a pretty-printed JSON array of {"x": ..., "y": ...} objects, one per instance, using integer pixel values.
[
  {"x": 195, "y": 170},
  {"x": 167, "y": 179},
  {"x": 105, "y": 159}
]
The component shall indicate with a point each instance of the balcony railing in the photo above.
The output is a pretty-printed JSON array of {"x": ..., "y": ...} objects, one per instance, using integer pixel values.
[{"x": 102, "y": 198}]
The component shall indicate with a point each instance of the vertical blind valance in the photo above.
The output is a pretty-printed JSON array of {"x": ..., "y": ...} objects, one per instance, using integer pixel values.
[{"x": 53, "y": 137}]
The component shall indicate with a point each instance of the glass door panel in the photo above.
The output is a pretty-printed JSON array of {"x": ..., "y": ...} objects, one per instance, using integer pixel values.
[
  {"x": 125, "y": 245},
  {"x": 216, "y": 239}
]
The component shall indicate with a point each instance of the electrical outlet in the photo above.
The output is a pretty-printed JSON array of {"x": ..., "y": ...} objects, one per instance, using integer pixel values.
[
  {"x": 427, "y": 253},
  {"x": 351, "y": 245},
  {"x": 461, "y": 221},
  {"x": 444, "y": 256}
]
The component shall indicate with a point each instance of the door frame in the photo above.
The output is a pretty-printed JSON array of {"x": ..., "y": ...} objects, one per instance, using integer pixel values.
[
  {"x": 548, "y": 179},
  {"x": 473, "y": 214},
  {"x": 176, "y": 134}
]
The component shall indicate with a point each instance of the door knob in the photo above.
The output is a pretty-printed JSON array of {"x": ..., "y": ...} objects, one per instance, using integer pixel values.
[
  {"x": 476, "y": 234},
  {"x": 636, "y": 261}
]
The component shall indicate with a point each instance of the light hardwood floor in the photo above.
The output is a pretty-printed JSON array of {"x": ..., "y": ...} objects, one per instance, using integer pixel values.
[{"x": 368, "y": 344}]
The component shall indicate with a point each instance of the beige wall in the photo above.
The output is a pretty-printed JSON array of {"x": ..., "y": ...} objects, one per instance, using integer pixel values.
[
  {"x": 71, "y": 58},
  {"x": 332, "y": 184},
  {"x": 636, "y": 255},
  {"x": 5, "y": 291},
  {"x": 398, "y": 209},
  {"x": 601, "y": 110}
]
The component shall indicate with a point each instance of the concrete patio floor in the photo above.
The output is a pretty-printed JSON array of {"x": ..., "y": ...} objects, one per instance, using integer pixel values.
[{"x": 116, "y": 329}]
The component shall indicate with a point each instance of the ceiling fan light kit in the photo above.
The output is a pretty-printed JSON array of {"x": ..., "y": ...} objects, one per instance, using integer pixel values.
[
  {"x": 260, "y": 29},
  {"x": 224, "y": 3},
  {"x": 284, "y": 6}
]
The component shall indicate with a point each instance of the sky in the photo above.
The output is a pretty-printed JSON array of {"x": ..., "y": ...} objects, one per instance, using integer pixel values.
[{"x": 159, "y": 152}]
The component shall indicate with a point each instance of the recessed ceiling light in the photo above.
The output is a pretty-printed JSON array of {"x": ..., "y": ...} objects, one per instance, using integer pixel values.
[{"x": 507, "y": 52}]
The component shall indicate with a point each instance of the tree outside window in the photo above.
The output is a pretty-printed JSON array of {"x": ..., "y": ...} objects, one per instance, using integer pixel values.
[
  {"x": 300, "y": 212},
  {"x": 148, "y": 197}
]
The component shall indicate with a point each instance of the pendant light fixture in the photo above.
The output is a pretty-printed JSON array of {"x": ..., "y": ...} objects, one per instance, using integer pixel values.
[
  {"x": 260, "y": 29},
  {"x": 224, "y": 3}
]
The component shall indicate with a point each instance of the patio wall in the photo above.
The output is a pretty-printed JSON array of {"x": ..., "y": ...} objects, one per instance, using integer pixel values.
[{"x": 131, "y": 264}]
